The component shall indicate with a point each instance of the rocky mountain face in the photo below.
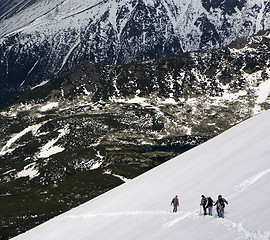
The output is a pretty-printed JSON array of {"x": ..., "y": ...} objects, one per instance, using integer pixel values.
[
  {"x": 99, "y": 125},
  {"x": 41, "y": 39}
]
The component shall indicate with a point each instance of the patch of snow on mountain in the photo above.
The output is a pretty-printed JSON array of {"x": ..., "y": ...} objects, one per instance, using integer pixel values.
[
  {"x": 135, "y": 100},
  {"x": 168, "y": 101},
  {"x": 124, "y": 179},
  {"x": 69, "y": 52},
  {"x": 49, "y": 149},
  {"x": 263, "y": 93},
  {"x": 6, "y": 148},
  {"x": 29, "y": 171},
  {"x": 227, "y": 95},
  {"x": 95, "y": 164},
  {"x": 49, "y": 106},
  {"x": 41, "y": 84}
]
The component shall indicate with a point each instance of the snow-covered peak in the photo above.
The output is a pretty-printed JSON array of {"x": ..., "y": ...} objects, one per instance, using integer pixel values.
[
  {"x": 235, "y": 164},
  {"x": 55, "y": 15},
  {"x": 45, "y": 39}
]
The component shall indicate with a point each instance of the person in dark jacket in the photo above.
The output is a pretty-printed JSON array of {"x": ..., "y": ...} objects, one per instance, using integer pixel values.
[
  {"x": 175, "y": 203},
  {"x": 220, "y": 203},
  {"x": 209, "y": 205},
  {"x": 203, "y": 204}
]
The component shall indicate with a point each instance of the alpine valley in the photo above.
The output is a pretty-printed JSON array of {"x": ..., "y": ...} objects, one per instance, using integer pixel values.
[
  {"x": 100, "y": 125},
  {"x": 41, "y": 39}
]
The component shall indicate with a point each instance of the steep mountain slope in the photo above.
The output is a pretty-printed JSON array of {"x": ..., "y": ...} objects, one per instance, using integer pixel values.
[
  {"x": 9, "y": 8},
  {"x": 48, "y": 38},
  {"x": 235, "y": 164},
  {"x": 100, "y": 125}
]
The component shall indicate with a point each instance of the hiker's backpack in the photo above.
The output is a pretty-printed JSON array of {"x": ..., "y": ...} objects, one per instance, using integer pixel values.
[
  {"x": 221, "y": 202},
  {"x": 210, "y": 202},
  {"x": 203, "y": 201}
]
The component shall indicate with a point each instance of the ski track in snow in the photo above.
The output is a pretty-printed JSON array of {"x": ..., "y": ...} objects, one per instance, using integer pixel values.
[
  {"x": 237, "y": 227},
  {"x": 113, "y": 214},
  {"x": 248, "y": 182},
  {"x": 245, "y": 234},
  {"x": 178, "y": 219}
]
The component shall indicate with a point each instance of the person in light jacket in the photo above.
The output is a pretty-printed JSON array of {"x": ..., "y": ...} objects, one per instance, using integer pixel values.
[{"x": 175, "y": 203}]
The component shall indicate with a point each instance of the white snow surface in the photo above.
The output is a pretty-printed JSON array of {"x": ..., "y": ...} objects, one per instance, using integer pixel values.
[
  {"x": 49, "y": 106},
  {"x": 46, "y": 18},
  {"x": 49, "y": 149},
  {"x": 29, "y": 171},
  {"x": 235, "y": 164},
  {"x": 6, "y": 148}
]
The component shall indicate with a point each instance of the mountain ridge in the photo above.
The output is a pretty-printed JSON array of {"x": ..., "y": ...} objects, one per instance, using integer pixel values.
[{"x": 55, "y": 40}]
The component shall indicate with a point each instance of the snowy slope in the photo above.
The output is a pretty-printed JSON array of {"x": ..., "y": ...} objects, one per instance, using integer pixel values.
[{"x": 235, "y": 164}]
